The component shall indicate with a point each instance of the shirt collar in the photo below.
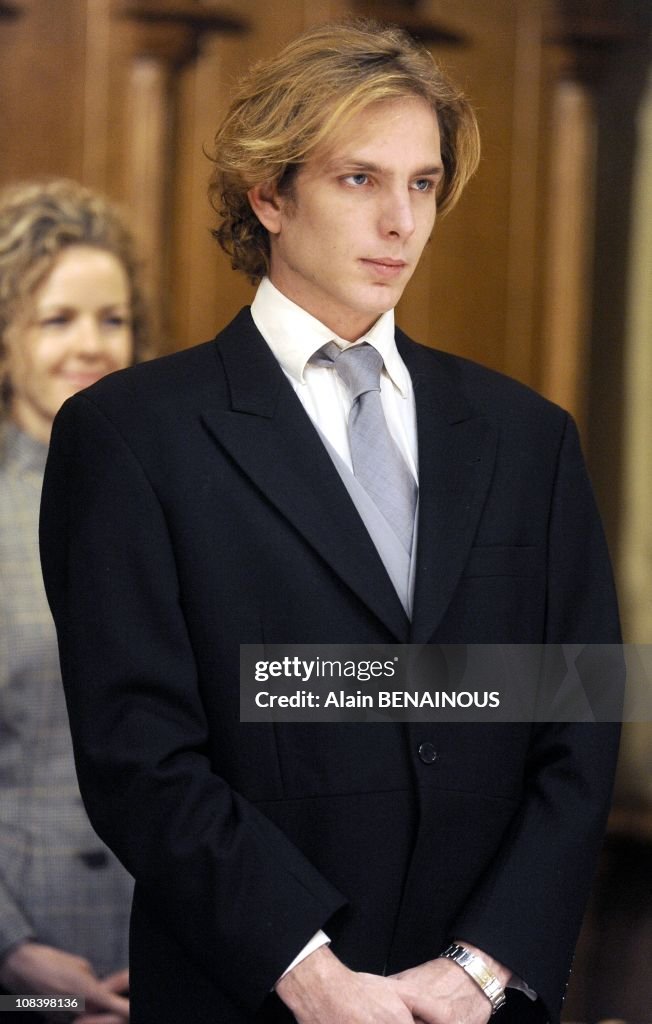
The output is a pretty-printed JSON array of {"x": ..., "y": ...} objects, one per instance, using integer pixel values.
[{"x": 294, "y": 335}]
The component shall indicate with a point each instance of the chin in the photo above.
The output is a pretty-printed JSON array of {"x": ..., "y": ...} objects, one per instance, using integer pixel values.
[
  {"x": 385, "y": 297},
  {"x": 64, "y": 394}
]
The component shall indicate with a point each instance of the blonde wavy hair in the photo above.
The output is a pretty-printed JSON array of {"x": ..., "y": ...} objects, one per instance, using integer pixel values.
[
  {"x": 284, "y": 108},
  {"x": 38, "y": 220}
]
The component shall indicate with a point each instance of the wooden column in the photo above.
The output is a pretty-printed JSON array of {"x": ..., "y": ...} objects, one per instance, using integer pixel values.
[
  {"x": 580, "y": 43},
  {"x": 98, "y": 55},
  {"x": 636, "y": 528},
  {"x": 523, "y": 243},
  {"x": 570, "y": 234},
  {"x": 165, "y": 35}
]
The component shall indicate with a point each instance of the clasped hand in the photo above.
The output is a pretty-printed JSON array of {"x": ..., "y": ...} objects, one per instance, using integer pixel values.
[{"x": 321, "y": 990}]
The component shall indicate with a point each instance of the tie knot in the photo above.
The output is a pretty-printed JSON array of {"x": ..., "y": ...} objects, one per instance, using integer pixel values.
[{"x": 358, "y": 367}]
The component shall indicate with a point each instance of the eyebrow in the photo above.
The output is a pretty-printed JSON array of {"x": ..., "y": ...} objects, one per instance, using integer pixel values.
[
  {"x": 64, "y": 307},
  {"x": 433, "y": 171}
]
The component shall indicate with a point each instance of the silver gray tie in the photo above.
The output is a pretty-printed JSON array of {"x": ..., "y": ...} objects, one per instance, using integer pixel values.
[{"x": 377, "y": 461}]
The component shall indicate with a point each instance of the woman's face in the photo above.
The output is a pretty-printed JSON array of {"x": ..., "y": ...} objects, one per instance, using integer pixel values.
[{"x": 77, "y": 330}]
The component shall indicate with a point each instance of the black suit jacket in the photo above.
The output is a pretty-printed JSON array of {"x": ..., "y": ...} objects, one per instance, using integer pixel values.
[{"x": 189, "y": 506}]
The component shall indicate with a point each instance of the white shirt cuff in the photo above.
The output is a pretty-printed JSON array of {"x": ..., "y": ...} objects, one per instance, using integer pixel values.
[{"x": 319, "y": 939}]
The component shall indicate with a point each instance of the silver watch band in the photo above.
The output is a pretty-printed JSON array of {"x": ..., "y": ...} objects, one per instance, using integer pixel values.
[{"x": 477, "y": 969}]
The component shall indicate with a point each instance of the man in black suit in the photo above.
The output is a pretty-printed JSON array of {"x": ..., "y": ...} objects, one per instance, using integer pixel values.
[{"x": 212, "y": 498}]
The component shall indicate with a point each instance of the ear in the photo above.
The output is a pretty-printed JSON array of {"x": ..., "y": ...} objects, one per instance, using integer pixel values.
[{"x": 266, "y": 204}]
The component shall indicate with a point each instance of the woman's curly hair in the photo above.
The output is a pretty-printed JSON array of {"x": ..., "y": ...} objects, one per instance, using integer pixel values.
[{"x": 38, "y": 220}]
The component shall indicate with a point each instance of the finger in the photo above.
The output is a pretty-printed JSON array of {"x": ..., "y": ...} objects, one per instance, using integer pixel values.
[
  {"x": 101, "y": 998},
  {"x": 117, "y": 982}
]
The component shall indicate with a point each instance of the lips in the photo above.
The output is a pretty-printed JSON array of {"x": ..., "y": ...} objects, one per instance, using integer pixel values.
[
  {"x": 385, "y": 268},
  {"x": 82, "y": 380},
  {"x": 385, "y": 261}
]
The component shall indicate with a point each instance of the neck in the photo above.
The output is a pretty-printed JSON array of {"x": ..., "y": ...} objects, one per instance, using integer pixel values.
[
  {"x": 345, "y": 324},
  {"x": 31, "y": 423}
]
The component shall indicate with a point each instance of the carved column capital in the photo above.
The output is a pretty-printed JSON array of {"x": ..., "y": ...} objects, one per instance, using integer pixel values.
[
  {"x": 8, "y": 10},
  {"x": 408, "y": 15},
  {"x": 171, "y": 30},
  {"x": 584, "y": 41}
]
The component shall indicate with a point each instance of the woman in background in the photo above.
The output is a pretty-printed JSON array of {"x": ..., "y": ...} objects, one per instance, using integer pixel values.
[{"x": 70, "y": 312}]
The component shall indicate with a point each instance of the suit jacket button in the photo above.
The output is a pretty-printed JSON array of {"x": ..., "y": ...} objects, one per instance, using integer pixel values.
[{"x": 427, "y": 753}]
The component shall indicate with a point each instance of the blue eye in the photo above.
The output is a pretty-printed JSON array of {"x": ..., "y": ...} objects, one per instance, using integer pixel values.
[
  {"x": 357, "y": 179},
  {"x": 423, "y": 184}
]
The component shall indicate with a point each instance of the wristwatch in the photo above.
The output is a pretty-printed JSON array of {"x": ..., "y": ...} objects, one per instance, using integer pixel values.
[{"x": 477, "y": 969}]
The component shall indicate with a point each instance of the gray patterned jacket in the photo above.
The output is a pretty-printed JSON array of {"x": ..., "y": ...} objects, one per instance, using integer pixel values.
[{"x": 58, "y": 883}]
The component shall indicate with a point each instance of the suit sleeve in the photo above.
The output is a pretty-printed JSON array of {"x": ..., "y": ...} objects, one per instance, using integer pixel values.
[
  {"x": 239, "y": 898},
  {"x": 527, "y": 911}
]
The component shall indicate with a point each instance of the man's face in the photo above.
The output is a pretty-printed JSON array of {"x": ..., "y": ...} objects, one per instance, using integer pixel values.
[{"x": 348, "y": 239}]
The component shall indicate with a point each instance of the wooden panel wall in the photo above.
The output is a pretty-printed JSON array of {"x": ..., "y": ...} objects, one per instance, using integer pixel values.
[
  {"x": 125, "y": 95},
  {"x": 93, "y": 95},
  {"x": 42, "y": 78}
]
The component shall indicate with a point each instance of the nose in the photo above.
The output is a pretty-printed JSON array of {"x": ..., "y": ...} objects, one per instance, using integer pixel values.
[
  {"x": 397, "y": 215},
  {"x": 88, "y": 338}
]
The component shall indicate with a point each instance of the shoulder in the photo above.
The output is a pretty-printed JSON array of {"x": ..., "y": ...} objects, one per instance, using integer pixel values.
[
  {"x": 158, "y": 379},
  {"x": 493, "y": 395},
  {"x": 170, "y": 386}
]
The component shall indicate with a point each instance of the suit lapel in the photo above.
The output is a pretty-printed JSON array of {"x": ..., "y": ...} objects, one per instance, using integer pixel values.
[
  {"x": 268, "y": 433},
  {"x": 456, "y": 457}
]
